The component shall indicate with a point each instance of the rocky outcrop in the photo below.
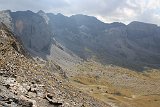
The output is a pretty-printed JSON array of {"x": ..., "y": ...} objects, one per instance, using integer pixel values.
[
  {"x": 5, "y": 17},
  {"x": 33, "y": 30},
  {"x": 44, "y": 15},
  {"x": 30, "y": 28}
]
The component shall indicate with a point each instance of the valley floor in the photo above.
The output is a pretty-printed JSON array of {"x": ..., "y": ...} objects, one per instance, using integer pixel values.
[{"x": 116, "y": 86}]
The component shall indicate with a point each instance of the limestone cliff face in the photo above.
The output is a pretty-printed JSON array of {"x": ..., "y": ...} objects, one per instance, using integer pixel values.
[
  {"x": 33, "y": 30},
  {"x": 30, "y": 27},
  {"x": 5, "y": 17}
]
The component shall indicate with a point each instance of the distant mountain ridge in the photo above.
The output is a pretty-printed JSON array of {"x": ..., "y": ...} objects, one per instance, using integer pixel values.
[{"x": 135, "y": 46}]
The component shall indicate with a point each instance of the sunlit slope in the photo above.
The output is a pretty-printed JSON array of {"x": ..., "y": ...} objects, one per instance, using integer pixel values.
[{"x": 116, "y": 86}]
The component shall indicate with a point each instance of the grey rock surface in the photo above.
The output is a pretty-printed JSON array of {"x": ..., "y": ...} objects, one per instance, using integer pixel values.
[{"x": 135, "y": 46}]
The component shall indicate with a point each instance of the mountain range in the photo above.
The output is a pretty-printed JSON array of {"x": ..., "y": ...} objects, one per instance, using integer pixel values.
[{"x": 81, "y": 37}]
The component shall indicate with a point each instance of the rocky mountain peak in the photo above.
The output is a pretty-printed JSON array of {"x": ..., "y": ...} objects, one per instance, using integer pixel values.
[
  {"x": 6, "y": 11},
  {"x": 40, "y": 11},
  {"x": 141, "y": 25},
  {"x": 5, "y": 17},
  {"x": 44, "y": 15}
]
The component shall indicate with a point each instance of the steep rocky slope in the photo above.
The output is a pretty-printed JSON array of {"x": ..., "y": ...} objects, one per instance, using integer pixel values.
[
  {"x": 135, "y": 46},
  {"x": 36, "y": 36},
  {"x": 25, "y": 82}
]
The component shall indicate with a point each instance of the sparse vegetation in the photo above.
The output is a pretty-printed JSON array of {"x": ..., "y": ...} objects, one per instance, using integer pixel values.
[{"x": 119, "y": 85}]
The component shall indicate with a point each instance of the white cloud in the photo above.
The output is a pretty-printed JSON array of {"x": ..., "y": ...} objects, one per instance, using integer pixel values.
[{"x": 106, "y": 10}]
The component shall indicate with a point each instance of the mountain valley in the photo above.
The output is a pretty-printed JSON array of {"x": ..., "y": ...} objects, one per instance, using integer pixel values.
[{"x": 52, "y": 60}]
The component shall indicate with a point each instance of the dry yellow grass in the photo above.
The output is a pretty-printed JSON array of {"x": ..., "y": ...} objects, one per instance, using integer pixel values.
[{"x": 116, "y": 86}]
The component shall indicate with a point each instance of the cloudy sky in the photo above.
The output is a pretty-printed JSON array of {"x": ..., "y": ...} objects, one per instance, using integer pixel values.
[{"x": 106, "y": 10}]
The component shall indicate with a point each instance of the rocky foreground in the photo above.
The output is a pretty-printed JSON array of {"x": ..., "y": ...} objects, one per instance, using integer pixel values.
[{"x": 25, "y": 82}]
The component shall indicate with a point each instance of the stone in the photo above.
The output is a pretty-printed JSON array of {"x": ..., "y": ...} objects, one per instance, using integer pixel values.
[
  {"x": 30, "y": 102},
  {"x": 49, "y": 97},
  {"x": 32, "y": 94}
]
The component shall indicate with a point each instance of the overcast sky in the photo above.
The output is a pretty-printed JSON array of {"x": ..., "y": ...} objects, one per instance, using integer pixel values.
[{"x": 106, "y": 10}]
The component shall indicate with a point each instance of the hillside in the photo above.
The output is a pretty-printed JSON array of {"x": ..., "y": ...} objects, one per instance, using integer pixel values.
[
  {"x": 52, "y": 60},
  {"x": 116, "y": 86},
  {"x": 25, "y": 82},
  {"x": 134, "y": 46},
  {"x": 37, "y": 37}
]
